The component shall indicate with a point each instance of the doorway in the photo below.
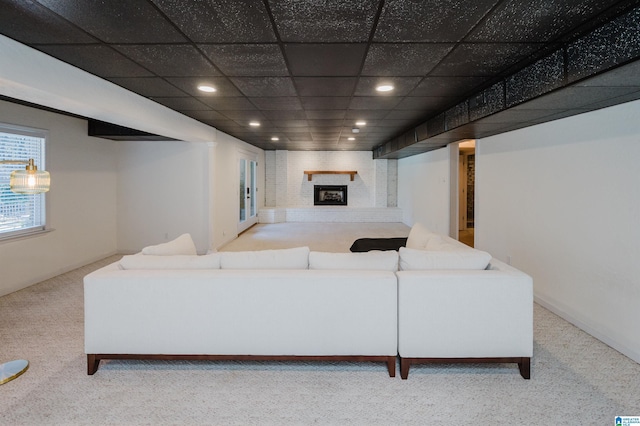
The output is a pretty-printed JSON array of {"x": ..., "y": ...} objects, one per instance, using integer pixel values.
[
  {"x": 466, "y": 192},
  {"x": 247, "y": 173}
]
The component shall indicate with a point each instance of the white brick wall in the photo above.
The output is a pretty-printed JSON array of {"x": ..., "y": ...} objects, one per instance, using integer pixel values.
[
  {"x": 392, "y": 183},
  {"x": 270, "y": 178},
  {"x": 289, "y": 194}
]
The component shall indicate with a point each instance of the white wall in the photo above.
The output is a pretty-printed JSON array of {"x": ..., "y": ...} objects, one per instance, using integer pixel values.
[
  {"x": 423, "y": 190},
  {"x": 162, "y": 193},
  {"x": 226, "y": 198},
  {"x": 81, "y": 202},
  {"x": 289, "y": 186},
  {"x": 166, "y": 189},
  {"x": 561, "y": 201}
]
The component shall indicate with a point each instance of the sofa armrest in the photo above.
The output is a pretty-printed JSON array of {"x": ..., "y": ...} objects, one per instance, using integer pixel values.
[{"x": 465, "y": 314}]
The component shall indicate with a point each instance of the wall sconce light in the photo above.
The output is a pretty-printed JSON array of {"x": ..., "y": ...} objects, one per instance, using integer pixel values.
[{"x": 30, "y": 180}]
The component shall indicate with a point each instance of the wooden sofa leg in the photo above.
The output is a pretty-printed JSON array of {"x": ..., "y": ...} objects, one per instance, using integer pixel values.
[
  {"x": 92, "y": 364},
  {"x": 405, "y": 364},
  {"x": 391, "y": 366},
  {"x": 525, "y": 368}
]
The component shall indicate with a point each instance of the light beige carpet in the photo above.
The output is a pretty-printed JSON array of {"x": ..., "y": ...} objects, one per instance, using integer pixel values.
[
  {"x": 576, "y": 380},
  {"x": 330, "y": 237}
]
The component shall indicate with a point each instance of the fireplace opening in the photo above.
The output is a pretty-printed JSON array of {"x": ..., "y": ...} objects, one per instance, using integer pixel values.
[{"x": 330, "y": 195}]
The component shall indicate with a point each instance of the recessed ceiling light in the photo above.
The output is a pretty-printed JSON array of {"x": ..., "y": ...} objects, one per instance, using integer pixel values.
[
  {"x": 275, "y": 138},
  {"x": 384, "y": 88},
  {"x": 352, "y": 138},
  {"x": 361, "y": 123},
  {"x": 254, "y": 124},
  {"x": 206, "y": 88}
]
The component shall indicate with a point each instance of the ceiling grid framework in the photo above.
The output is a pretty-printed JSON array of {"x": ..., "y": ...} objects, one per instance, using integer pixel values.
[{"x": 307, "y": 70}]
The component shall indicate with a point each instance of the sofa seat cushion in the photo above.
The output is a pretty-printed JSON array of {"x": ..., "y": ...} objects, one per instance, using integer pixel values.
[
  {"x": 141, "y": 261},
  {"x": 183, "y": 245},
  {"x": 294, "y": 258},
  {"x": 369, "y": 261},
  {"x": 461, "y": 258}
]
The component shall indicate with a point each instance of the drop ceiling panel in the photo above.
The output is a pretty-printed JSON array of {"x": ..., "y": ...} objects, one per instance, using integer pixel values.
[
  {"x": 118, "y": 21},
  {"x": 331, "y": 21},
  {"x": 430, "y": 20},
  {"x": 311, "y": 67},
  {"x": 220, "y": 21},
  {"x": 170, "y": 60}
]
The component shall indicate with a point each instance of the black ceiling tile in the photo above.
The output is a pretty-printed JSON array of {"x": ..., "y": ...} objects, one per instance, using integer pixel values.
[
  {"x": 185, "y": 103},
  {"x": 118, "y": 21},
  {"x": 325, "y": 123},
  {"x": 447, "y": 86},
  {"x": 614, "y": 100},
  {"x": 148, "y": 86},
  {"x": 244, "y": 116},
  {"x": 426, "y": 103},
  {"x": 429, "y": 20},
  {"x": 264, "y": 125},
  {"x": 290, "y": 123},
  {"x": 284, "y": 115},
  {"x": 489, "y": 101},
  {"x": 323, "y": 103},
  {"x": 28, "y": 22},
  {"x": 205, "y": 115},
  {"x": 169, "y": 60},
  {"x": 367, "y": 115},
  {"x": 225, "y": 103},
  {"x": 325, "y": 59},
  {"x": 575, "y": 97},
  {"x": 326, "y": 114},
  {"x": 396, "y": 124},
  {"x": 540, "y": 77},
  {"x": 277, "y": 103},
  {"x": 627, "y": 75},
  {"x": 328, "y": 22},
  {"x": 374, "y": 102},
  {"x": 325, "y": 86},
  {"x": 96, "y": 59},
  {"x": 409, "y": 59},
  {"x": 247, "y": 59},
  {"x": 265, "y": 86},
  {"x": 190, "y": 85},
  {"x": 299, "y": 136},
  {"x": 513, "y": 115},
  {"x": 596, "y": 52},
  {"x": 220, "y": 21},
  {"x": 402, "y": 86},
  {"x": 483, "y": 59},
  {"x": 534, "y": 20},
  {"x": 457, "y": 116},
  {"x": 406, "y": 115}
]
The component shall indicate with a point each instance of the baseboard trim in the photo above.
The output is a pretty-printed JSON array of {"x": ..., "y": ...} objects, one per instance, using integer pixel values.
[{"x": 567, "y": 314}]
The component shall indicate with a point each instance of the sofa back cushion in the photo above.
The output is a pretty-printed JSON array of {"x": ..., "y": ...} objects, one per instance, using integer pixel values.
[
  {"x": 294, "y": 258},
  {"x": 183, "y": 245},
  {"x": 141, "y": 261},
  {"x": 462, "y": 258},
  {"x": 368, "y": 261},
  {"x": 419, "y": 237}
]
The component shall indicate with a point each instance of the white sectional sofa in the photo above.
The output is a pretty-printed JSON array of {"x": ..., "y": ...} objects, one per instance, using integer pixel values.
[
  {"x": 244, "y": 306},
  {"x": 458, "y": 305},
  {"x": 446, "y": 303}
]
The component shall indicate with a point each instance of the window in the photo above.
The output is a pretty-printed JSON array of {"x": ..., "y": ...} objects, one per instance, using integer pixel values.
[{"x": 20, "y": 214}]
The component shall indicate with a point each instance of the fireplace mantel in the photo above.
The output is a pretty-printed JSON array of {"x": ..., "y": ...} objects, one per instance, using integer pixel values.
[{"x": 310, "y": 173}]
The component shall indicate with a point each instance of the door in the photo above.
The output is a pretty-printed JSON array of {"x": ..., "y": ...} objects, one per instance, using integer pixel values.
[{"x": 248, "y": 212}]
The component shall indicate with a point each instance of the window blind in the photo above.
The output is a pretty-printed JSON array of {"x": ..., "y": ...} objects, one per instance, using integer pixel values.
[{"x": 20, "y": 213}]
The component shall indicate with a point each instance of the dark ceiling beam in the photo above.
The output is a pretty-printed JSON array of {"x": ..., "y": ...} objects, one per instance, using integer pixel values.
[
  {"x": 553, "y": 77},
  {"x": 101, "y": 129}
]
